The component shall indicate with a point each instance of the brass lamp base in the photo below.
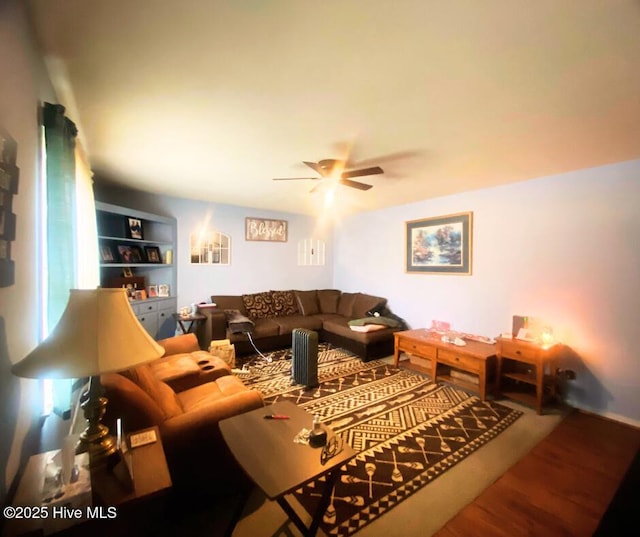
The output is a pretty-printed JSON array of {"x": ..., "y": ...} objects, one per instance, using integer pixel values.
[{"x": 95, "y": 439}]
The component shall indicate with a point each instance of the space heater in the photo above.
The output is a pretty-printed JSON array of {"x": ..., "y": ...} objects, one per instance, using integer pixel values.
[{"x": 304, "y": 361}]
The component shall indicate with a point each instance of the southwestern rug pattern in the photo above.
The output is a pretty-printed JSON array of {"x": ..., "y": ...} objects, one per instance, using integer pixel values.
[{"x": 406, "y": 429}]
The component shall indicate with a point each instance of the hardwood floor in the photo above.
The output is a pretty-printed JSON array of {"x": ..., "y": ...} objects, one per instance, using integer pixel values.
[{"x": 562, "y": 487}]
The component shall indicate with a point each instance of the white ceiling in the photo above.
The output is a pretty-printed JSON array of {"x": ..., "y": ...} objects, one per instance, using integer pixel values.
[{"x": 212, "y": 99}]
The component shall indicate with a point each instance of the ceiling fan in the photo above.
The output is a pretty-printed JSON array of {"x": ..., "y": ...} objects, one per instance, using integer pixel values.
[{"x": 326, "y": 168}]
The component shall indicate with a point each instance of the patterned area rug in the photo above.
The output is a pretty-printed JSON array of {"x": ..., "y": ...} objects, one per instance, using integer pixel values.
[{"x": 406, "y": 429}]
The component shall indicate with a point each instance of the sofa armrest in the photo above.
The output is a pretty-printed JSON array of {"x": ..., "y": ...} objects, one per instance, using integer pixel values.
[
  {"x": 213, "y": 327},
  {"x": 182, "y": 344}
]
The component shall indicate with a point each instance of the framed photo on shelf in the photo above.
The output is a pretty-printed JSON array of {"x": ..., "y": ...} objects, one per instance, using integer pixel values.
[
  {"x": 134, "y": 228},
  {"x": 163, "y": 289},
  {"x": 153, "y": 254},
  {"x": 127, "y": 272},
  {"x": 439, "y": 245},
  {"x": 106, "y": 254},
  {"x": 153, "y": 291},
  {"x": 140, "y": 294},
  {"x": 129, "y": 254}
]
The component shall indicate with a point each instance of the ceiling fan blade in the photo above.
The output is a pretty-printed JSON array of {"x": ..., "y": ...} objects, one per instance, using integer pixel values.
[
  {"x": 297, "y": 178},
  {"x": 382, "y": 159},
  {"x": 313, "y": 165},
  {"x": 375, "y": 170},
  {"x": 355, "y": 184}
]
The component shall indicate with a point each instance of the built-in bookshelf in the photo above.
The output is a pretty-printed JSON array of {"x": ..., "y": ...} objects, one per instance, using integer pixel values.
[{"x": 138, "y": 251}]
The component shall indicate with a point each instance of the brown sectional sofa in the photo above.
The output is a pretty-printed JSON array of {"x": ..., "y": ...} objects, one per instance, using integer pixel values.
[{"x": 275, "y": 314}]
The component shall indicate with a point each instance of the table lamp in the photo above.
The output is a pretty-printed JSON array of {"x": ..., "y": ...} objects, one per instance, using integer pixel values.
[{"x": 97, "y": 333}]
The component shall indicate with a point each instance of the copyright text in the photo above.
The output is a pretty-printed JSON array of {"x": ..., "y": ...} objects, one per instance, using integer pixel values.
[{"x": 59, "y": 512}]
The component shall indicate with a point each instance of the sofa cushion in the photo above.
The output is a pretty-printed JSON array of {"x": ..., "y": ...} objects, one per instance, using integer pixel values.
[
  {"x": 204, "y": 394},
  {"x": 328, "y": 300},
  {"x": 173, "y": 367},
  {"x": 229, "y": 302},
  {"x": 287, "y": 324},
  {"x": 130, "y": 401},
  {"x": 259, "y": 305},
  {"x": 341, "y": 327},
  {"x": 307, "y": 302},
  {"x": 345, "y": 304},
  {"x": 265, "y": 328},
  {"x": 164, "y": 396},
  {"x": 364, "y": 303},
  {"x": 284, "y": 303}
]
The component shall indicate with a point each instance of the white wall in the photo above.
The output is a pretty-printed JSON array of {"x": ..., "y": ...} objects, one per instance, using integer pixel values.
[
  {"x": 561, "y": 248},
  {"x": 255, "y": 266},
  {"x": 23, "y": 86}
]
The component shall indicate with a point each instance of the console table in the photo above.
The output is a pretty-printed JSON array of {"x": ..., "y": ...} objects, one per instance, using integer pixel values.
[{"x": 443, "y": 361}]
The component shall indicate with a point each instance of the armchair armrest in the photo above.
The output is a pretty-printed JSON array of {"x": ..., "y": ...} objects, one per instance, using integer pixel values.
[
  {"x": 179, "y": 344},
  {"x": 201, "y": 424}
]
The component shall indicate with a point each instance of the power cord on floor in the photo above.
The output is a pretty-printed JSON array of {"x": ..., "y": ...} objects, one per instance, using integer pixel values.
[{"x": 266, "y": 358}]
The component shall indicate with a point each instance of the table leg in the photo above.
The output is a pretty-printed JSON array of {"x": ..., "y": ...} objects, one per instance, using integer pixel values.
[
  {"x": 324, "y": 501},
  {"x": 322, "y": 507},
  {"x": 396, "y": 353},
  {"x": 237, "y": 512}
]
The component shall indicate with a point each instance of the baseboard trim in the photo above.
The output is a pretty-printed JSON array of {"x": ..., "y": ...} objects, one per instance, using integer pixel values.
[{"x": 611, "y": 416}]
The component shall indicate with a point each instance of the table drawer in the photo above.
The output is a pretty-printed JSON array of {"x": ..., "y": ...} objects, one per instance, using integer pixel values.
[
  {"x": 146, "y": 307},
  {"x": 517, "y": 351},
  {"x": 418, "y": 348},
  {"x": 455, "y": 359}
]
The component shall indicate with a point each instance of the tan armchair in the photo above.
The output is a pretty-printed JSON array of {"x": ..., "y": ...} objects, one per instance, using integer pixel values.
[{"x": 188, "y": 420}]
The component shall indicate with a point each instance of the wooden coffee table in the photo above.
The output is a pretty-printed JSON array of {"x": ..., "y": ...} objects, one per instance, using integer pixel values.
[
  {"x": 261, "y": 445},
  {"x": 441, "y": 360}
]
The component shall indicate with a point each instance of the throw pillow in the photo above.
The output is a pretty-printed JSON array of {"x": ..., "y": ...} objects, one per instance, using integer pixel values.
[
  {"x": 328, "y": 300},
  {"x": 307, "y": 302},
  {"x": 365, "y": 303},
  {"x": 259, "y": 305},
  {"x": 284, "y": 303},
  {"x": 345, "y": 304}
]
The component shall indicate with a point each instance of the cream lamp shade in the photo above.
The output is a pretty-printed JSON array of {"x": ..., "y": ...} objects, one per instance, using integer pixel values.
[{"x": 97, "y": 333}]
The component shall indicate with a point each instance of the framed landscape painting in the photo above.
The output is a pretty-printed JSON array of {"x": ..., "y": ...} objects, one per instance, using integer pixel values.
[{"x": 440, "y": 245}]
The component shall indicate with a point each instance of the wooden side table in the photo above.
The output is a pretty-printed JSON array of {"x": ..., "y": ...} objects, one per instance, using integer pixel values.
[
  {"x": 194, "y": 321},
  {"x": 527, "y": 371},
  {"x": 151, "y": 478}
]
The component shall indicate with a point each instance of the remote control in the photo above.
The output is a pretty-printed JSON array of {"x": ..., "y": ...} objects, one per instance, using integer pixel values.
[{"x": 143, "y": 438}]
